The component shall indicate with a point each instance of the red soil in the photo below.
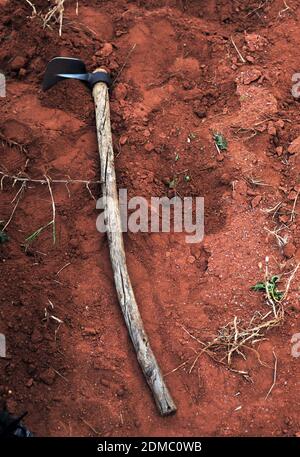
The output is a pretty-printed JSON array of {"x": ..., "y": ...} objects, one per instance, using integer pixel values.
[{"x": 85, "y": 378}]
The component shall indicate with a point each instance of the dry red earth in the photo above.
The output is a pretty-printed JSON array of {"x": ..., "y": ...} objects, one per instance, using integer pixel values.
[{"x": 178, "y": 76}]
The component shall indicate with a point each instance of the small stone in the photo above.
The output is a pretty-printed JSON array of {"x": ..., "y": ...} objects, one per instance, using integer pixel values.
[
  {"x": 120, "y": 91},
  {"x": 89, "y": 331},
  {"x": 191, "y": 259},
  {"x": 200, "y": 114},
  {"x": 106, "y": 50},
  {"x": 250, "y": 76},
  {"x": 289, "y": 250},
  {"x": 29, "y": 383},
  {"x": 120, "y": 33},
  {"x": 149, "y": 147},
  {"x": 292, "y": 195},
  {"x": 17, "y": 63},
  {"x": 284, "y": 218},
  {"x": 279, "y": 123},
  {"x": 271, "y": 129},
  {"x": 48, "y": 376},
  {"x": 121, "y": 392},
  {"x": 220, "y": 158},
  {"x": 279, "y": 150},
  {"x": 255, "y": 42},
  {"x": 297, "y": 434},
  {"x": 294, "y": 147},
  {"x": 261, "y": 128},
  {"x": 188, "y": 85},
  {"x": 250, "y": 59},
  {"x": 256, "y": 201},
  {"x": 22, "y": 72},
  {"x": 123, "y": 140}
]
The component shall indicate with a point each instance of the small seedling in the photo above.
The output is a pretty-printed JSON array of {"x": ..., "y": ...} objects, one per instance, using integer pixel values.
[
  {"x": 177, "y": 157},
  {"x": 192, "y": 136},
  {"x": 187, "y": 178},
  {"x": 172, "y": 183},
  {"x": 31, "y": 238},
  {"x": 220, "y": 141},
  {"x": 270, "y": 288},
  {"x": 3, "y": 237}
]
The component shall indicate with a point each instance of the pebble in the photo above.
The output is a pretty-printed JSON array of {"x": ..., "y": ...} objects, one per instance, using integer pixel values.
[
  {"x": 256, "y": 201},
  {"x": 106, "y": 50},
  {"x": 48, "y": 376},
  {"x": 292, "y": 195},
  {"x": 149, "y": 147},
  {"x": 123, "y": 140},
  {"x": 89, "y": 331},
  {"x": 289, "y": 250},
  {"x": 200, "y": 114},
  {"x": 250, "y": 59},
  {"x": 250, "y": 76},
  {"x": 294, "y": 147},
  {"x": 29, "y": 383},
  {"x": 271, "y": 129},
  {"x": 191, "y": 259}
]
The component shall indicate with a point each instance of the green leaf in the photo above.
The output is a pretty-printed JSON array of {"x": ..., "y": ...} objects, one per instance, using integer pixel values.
[
  {"x": 220, "y": 141},
  {"x": 259, "y": 286}
]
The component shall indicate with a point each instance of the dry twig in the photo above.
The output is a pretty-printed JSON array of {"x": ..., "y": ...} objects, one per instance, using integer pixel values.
[
  {"x": 274, "y": 376},
  {"x": 237, "y": 50}
]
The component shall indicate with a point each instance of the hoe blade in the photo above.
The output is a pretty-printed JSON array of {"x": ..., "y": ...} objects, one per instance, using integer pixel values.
[{"x": 63, "y": 67}]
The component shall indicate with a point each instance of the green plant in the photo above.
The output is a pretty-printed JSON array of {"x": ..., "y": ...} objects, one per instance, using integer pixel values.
[
  {"x": 192, "y": 136},
  {"x": 220, "y": 141},
  {"x": 37, "y": 233},
  {"x": 270, "y": 288}
]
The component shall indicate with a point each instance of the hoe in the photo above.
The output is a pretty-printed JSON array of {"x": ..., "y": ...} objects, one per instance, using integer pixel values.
[{"x": 99, "y": 81}]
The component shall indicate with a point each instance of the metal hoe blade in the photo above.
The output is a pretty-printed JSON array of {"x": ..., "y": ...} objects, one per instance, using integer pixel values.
[{"x": 70, "y": 68}]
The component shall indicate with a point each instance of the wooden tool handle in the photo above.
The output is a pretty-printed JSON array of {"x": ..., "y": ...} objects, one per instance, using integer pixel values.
[{"x": 125, "y": 292}]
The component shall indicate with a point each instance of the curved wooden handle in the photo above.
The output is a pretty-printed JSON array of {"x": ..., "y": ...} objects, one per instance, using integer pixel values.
[{"x": 125, "y": 292}]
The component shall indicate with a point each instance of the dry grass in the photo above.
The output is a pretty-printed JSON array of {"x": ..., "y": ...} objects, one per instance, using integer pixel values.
[
  {"x": 54, "y": 13},
  {"x": 238, "y": 337}
]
